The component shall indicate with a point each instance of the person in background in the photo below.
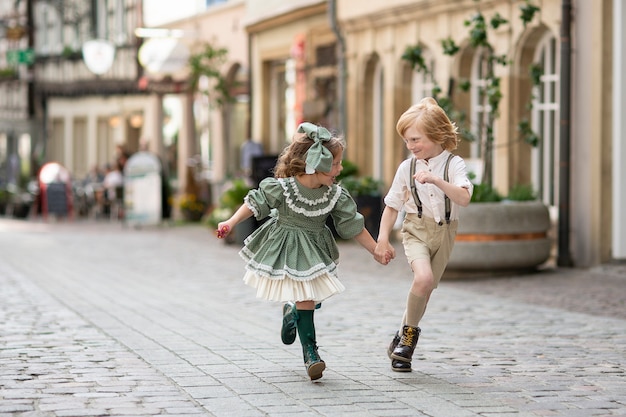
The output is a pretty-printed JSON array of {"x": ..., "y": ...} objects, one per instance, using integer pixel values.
[
  {"x": 249, "y": 149},
  {"x": 112, "y": 182}
]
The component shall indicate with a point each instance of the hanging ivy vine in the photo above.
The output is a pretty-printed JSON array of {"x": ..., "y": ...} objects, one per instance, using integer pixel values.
[
  {"x": 208, "y": 63},
  {"x": 491, "y": 93}
]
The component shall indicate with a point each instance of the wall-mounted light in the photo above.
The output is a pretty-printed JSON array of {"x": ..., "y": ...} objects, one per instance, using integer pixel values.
[
  {"x": 136, "y": 120},
  {"x": 114, "y": 121}
]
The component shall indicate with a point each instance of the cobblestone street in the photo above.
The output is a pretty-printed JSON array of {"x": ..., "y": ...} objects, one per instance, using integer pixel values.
[{"x": 97, "y": 319}]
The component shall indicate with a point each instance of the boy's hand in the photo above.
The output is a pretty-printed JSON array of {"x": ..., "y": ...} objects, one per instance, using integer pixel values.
[
  {"x": 390, "y": 254},
  {"x": 384, "y": 253},
  {"x": 424, "y": 177}
]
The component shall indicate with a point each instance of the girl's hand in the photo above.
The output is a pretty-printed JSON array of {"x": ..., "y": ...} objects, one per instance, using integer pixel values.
[
  {"x": 384, "y": 253},
  {"x": 383, "y": 259},
  {"x": 223, "y": 230}
]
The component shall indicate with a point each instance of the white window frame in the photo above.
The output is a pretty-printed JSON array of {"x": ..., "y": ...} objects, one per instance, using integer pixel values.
[
  {"x": 480, "y": 107},
  {"x": 545, "y": 122},
  {"x": 378, "y": 117},
  {"x": 120, "y": 23},
  {"x": 49, "y": 39},
  {"x": 422, "y": 83}
]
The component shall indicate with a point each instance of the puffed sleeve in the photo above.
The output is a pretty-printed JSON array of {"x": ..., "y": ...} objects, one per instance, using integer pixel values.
[
  {"x": 348, "y": 221},
  {"x": 262, "y": 200}
]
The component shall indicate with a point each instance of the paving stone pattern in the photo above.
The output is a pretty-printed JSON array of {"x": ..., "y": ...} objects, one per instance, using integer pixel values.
[{"x": 97, "y": 319}]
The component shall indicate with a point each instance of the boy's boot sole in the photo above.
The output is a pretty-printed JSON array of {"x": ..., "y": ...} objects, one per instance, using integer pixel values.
[{"x": 400, "y": 366}]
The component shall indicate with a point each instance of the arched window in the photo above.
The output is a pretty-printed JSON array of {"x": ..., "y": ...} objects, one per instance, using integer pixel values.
[
  {"x": 481, "y": 110},
  {"x": 545, "y": 121},
  {"x": 422, "y": 83},
  {"x": 49, "y": 39}
]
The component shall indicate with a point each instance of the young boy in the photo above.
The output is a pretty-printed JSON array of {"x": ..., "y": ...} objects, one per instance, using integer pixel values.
[{"x": 430, "y": 186}]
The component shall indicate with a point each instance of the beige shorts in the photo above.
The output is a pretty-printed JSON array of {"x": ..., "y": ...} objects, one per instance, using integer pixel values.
[{"x": 425, "y": 239}]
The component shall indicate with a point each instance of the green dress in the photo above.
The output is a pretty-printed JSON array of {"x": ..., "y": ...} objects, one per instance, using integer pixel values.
[{"x": 293, "y": 256}]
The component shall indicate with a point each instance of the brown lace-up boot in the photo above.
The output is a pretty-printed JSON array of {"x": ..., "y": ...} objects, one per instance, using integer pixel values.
[
  {"x": 396, "y": 365},
  {"x": 405, "y": 348}
]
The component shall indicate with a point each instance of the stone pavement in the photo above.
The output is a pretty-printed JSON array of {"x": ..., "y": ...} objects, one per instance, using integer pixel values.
[{"x": 101, "y": 320}]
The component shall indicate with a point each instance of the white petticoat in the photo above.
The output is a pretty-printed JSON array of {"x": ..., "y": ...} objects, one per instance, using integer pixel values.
[{"x": 288, "y": 289}]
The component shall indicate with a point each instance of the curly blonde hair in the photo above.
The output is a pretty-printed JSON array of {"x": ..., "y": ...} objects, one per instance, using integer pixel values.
[
  {"x": 292, "y": 160},
  {"x": 433, "y": 122}
]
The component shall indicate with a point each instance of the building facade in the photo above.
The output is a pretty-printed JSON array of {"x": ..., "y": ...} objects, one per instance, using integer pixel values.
[
  {"x": 210, "y": 132},
  {"x": 293, "y": 68},
  {"x": 340, "y": 63},
  {"x": 573, "y": 165},
  {"x": 86, "y": 81},
  {"x": 19, "y": 130}
]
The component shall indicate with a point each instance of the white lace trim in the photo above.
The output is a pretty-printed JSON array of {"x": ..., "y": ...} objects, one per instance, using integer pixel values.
[
  {"x": 269, "y": 272},
  {"x": 300, "y": 197},
  {"x": 286, "y": 183}
]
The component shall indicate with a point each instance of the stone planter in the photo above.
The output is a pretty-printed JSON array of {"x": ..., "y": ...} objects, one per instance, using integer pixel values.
[{"x": 504, "y": 236}]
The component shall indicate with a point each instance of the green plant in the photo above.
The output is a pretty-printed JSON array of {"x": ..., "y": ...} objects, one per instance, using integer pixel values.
[
  {"x": 8, "y": 73},
  {"x": 362, "y": 186},
  {"x": 230, "y": 200},
  {"x": 490, "y": 94},
  {"x": 522, "y": 192},
  {"x": 207, "y": 64},
  {"x": 485, "y": 193},
  {"x": 349, "y": 169},
  {"x": 356, "y": 185},
  {"x": 191, "y": 203},
  {"x": 233, "y": 196}
]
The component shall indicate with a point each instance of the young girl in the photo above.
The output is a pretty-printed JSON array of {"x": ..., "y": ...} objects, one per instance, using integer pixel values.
[
  {"x": 293, "y": 256},
  {"x": 430, "y": 186}
]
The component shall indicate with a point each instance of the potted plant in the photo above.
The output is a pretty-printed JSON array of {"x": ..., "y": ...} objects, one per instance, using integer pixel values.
[
  {"x": 192, "y": 207},
  {"x": 495, "y": 233},
  {"x": 499, "y": 234},
  {"x": 230, "y": 200},
  {"x": 366, "y": 192},
  {"x": 4, "y": 200}
]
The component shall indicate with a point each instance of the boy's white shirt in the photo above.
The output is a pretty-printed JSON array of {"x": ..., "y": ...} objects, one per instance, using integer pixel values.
[{"x": 432, "y": 197}]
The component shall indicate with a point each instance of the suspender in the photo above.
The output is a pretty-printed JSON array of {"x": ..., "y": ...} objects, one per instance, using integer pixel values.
[{"x": 418, "y": 202}]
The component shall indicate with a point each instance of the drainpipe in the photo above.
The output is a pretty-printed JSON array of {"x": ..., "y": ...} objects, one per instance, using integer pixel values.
[
  {"x": 563, "y": 254},
  {"x": 249, "y": 133},
  {"x": 341, "y": 67}
]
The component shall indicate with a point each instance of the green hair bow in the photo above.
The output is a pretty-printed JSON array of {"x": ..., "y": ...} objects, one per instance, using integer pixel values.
[{"x": 318, "y": 157}]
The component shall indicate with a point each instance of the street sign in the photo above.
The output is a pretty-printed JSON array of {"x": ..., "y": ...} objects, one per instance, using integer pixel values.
[{"x": 20, "y": 56}]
